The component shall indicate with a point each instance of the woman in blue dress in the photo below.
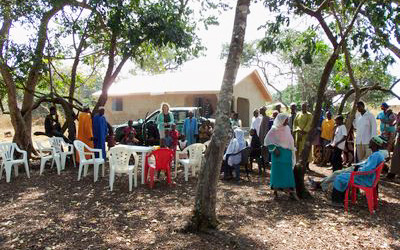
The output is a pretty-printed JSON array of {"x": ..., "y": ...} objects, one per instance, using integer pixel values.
[
  {"x": 280, "y": 143},
  {"x": 341, "y": 181}
]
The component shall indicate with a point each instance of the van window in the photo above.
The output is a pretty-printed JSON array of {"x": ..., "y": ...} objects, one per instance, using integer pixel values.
[{"x": 180, "y": 116}]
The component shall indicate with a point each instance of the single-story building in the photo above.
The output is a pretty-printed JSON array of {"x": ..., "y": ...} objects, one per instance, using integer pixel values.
[
  {"x": 394, "y": 104},
  {"x": 132, "y": 98}
]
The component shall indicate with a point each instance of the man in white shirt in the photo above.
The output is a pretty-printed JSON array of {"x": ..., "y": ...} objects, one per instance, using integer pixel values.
[
  {"x": 256, "y": 121},
  {"x": 338, "y": 143},
  {"x": 365, "y": 126}
]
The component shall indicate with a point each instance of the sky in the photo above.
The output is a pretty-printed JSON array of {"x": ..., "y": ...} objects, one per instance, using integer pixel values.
[{"x": 216, "y": 36}]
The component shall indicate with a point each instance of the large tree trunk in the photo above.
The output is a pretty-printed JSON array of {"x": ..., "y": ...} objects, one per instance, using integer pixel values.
[
  {"x": 300, "y": 168},
  {"x": 111, "y": 74},
  {"x": 352, "y": 114},
  {"x": 21, "y": 137},
  {"x": 204, "y": 214},
  {"x": 21, "y": 119},
  {"x": 302, "y": 164},
  {"x": 344, "y": 100}
]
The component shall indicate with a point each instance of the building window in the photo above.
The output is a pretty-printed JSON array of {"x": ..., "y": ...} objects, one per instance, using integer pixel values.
[{"x": 117, "y": 104}]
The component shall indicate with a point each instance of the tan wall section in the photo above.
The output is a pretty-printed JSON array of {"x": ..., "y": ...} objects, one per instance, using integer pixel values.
[
  {"x": 136, "y": 106},
  {"x": 249, "y": 90}
]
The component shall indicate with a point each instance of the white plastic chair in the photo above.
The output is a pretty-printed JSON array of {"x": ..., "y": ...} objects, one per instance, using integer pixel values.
[
  {"x": 195, "y": 152},
  {"x": 7, "y": 151},
  {"x": 84, "y": 163},
  {"x": 64, "y": 148},
  {"x": 119, "y": 164},
  {"x": 46, "y": 154}
]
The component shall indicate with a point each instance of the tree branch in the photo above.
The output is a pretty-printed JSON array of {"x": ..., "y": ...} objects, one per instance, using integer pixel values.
[
  {"x": 37, "y": 64},
  {"x": 318, "y": 15},
  {"x": 4, "y": 32},
  {"x": 381, "y": 35},
  {"x": 263, "y": 69},
  {"x": 394, "y": 83},
  {"x": 350, "y": 26},
  {"x": 322, "y": 6}
]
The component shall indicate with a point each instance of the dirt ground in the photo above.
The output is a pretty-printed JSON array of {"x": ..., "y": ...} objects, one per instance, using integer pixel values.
[{"x": 59, "y": 212}]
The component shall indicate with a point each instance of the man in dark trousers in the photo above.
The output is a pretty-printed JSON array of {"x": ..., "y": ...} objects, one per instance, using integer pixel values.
[{"x": 264, "y": 128}]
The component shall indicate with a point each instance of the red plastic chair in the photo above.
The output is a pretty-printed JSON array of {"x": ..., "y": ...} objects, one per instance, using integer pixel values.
[
  {"x": 163, "y": 158},
  {"x": 370, "y": 192}
]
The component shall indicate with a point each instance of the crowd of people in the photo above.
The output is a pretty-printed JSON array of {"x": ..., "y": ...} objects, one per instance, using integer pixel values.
[
  {"x": 279, "y": 141},
  {"x": 276, "y": 142},
  {"x": 95, "y": 131}
]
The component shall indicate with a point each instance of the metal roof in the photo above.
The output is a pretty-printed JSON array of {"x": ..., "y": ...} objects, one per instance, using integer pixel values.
[{"x": 204, "y": 81}]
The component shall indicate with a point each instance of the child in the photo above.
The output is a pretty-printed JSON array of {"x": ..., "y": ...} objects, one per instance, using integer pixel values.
[
  {"x": 174, "y": 135},
  {"x": 182, "y": 142},
  {"x": 167, "y": 139},
  {"x": 130, "y": 139},
  {"x": 338, "y": 143},
  {"x": 255, "y": 150}
]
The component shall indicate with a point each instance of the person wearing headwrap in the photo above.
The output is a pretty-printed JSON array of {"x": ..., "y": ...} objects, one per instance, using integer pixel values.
[
  {"x": 280, "y": 143},
  {"x": 387, "y": 128},
  {"x": 85, "y": 130},
  {"x": 341, "y": 181},
  {"x": 190, "y": 128},
  {"x": 100, "y": 131},
  {"x": 233, "y": 159}
]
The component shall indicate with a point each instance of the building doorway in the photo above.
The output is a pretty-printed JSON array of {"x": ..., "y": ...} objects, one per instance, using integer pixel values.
[{"x": 243, "y": 109}]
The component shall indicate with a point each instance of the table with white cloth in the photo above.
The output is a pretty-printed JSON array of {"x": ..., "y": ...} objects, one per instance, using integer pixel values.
[{"x": 139, "y": 149}]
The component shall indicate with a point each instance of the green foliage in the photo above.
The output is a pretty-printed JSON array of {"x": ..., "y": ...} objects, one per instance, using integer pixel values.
[
  {"x": 378, "y": 27},
  {"x": 299, "y": 46},
  {"x": 156, "y": 35},
  {"x": 147, "y": 30}
]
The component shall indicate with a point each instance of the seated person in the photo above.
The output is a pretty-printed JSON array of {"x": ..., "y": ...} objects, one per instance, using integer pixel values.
[
  {"x": 182, "y": 142},
  {"x": 152, "y": 135},
  {"x": 130, "y": 139},
  {"x": 341, "y": 181},
  {"x": 129, "y": 129},
  {"x": 232, "y": 158},
  {"x": 205, "y": 131},
  {"x": 326, "y": 184},
  {"x": 52, "y": 126}
]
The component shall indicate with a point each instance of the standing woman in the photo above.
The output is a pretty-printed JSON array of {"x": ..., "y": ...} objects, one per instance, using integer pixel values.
[
  {"x": 85, "y": 129},
  {"x": 231, "y": 155},
  {"x": 280, "y": 143},
  {"x": 164, "y": 120}
]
